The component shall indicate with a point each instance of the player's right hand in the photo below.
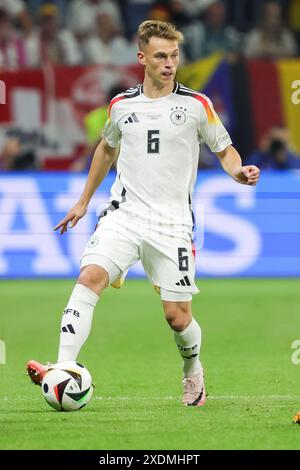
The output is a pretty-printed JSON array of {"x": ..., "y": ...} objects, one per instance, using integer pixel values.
[{"x": 74, "y": 214}]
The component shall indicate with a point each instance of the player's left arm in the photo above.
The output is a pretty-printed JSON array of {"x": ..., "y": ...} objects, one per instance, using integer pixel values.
[{"x": 231, "y": 162}]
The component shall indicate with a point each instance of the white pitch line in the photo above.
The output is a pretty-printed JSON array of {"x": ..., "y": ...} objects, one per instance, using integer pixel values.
[
  {"x": 209, "y": 397},
  {"x": 170, "y": 398}
]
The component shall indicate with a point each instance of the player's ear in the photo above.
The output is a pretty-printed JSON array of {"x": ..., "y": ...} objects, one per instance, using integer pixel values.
[{"x": 141, "y": 58}]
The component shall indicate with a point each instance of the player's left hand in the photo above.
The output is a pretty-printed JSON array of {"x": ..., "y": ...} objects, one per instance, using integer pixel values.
[{"x": 248, "y": 174}]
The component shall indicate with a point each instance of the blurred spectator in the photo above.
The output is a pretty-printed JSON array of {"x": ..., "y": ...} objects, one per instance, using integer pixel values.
[
  {"x": 178, "y": 13},
  {"x": 270, "y": 40},
  {"x": 16, "y": 155},
  {"x": 189, "y": 8},
  {"x": 13, "y": 7},
  {"x": 133, "y": 13},
  {"x": 34, "y": 6},
  {"x": 18, "y": 12},
  {"x": 82, "y": 13},
  {"x": 12, "y": 47},
  {"x": 203, "y": 39},
  {"x": 243, "y": 14},
  {"x": 274, "y": 152},
  {"x": 160, "y": 12},
  {"x": 48, "y": 43},
  {"x": 94, "y": 123},
  {"x": 294, "y": 18},
  {"x": 107, "y": 45}
]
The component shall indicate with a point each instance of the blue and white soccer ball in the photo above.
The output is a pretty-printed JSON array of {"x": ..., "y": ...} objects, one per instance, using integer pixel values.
[{"x": 67, "y": 386}]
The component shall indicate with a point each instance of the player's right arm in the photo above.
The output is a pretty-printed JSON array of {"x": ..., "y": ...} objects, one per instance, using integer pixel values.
[{"x": 103, "y": 159}]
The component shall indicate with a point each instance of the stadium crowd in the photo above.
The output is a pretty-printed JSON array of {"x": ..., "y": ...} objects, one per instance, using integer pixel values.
[
  {"x": 34, "y": 33},
  {"x": 66, "y": 32}
]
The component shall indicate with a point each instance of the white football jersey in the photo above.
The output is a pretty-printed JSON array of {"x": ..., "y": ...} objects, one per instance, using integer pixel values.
[{"x": 159, "y": 149}]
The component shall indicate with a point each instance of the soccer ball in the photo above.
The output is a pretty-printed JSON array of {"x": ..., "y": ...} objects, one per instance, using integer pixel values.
[{"x": 67, "y": 386}]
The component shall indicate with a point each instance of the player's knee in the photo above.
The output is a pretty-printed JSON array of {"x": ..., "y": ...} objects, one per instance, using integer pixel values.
[
  {"x": 178, "y": 315},
  {"x": 94, "y": 277}
]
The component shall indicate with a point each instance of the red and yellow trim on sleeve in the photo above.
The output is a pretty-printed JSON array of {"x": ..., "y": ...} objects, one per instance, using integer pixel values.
[
  {"x": 113, "y": 101},
  {"x": 211, "y": 115}
]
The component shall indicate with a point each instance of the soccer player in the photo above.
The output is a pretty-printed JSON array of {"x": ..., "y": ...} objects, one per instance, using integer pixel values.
[{"x": 158, "y": 126}]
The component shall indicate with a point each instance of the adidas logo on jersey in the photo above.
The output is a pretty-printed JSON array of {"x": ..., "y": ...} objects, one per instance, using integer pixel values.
[
  {"x": 184, "y": 282},
  {"x": 131, "y": 119}
]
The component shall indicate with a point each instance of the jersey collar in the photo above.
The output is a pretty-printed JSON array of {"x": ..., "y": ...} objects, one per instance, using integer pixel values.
[{"x": 175, "y": 88}]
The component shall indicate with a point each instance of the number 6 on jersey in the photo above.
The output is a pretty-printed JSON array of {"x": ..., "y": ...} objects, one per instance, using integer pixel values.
[{"x": 153, "y": 141}]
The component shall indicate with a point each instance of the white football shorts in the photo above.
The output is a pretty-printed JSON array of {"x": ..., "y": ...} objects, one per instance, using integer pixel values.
[{"x": 119, "y": 241}]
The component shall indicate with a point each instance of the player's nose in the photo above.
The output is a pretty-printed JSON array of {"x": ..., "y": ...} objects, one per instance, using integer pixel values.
[{"x": 169, "y": 63}]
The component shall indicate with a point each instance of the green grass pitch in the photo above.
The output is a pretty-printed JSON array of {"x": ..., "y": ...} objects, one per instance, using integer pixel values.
[{"x": 254, "y": 389}]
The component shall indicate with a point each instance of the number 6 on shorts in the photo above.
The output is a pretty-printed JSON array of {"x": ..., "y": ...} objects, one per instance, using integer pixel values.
[{"x": 183, "y": 260}]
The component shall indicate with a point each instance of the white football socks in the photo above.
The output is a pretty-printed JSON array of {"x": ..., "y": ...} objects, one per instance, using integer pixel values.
[
  {"x": 189, "y": 343},
  {"x": 76, "y": 322}
]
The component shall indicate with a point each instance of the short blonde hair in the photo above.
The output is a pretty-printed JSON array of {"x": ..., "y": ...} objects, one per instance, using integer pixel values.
[{"x": 161, "y": 29}]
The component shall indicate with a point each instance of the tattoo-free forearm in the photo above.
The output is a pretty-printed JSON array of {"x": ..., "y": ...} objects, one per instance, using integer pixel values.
[
  {"x": 103, "y": 159},
  {"x": 230, "y": 160}
]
